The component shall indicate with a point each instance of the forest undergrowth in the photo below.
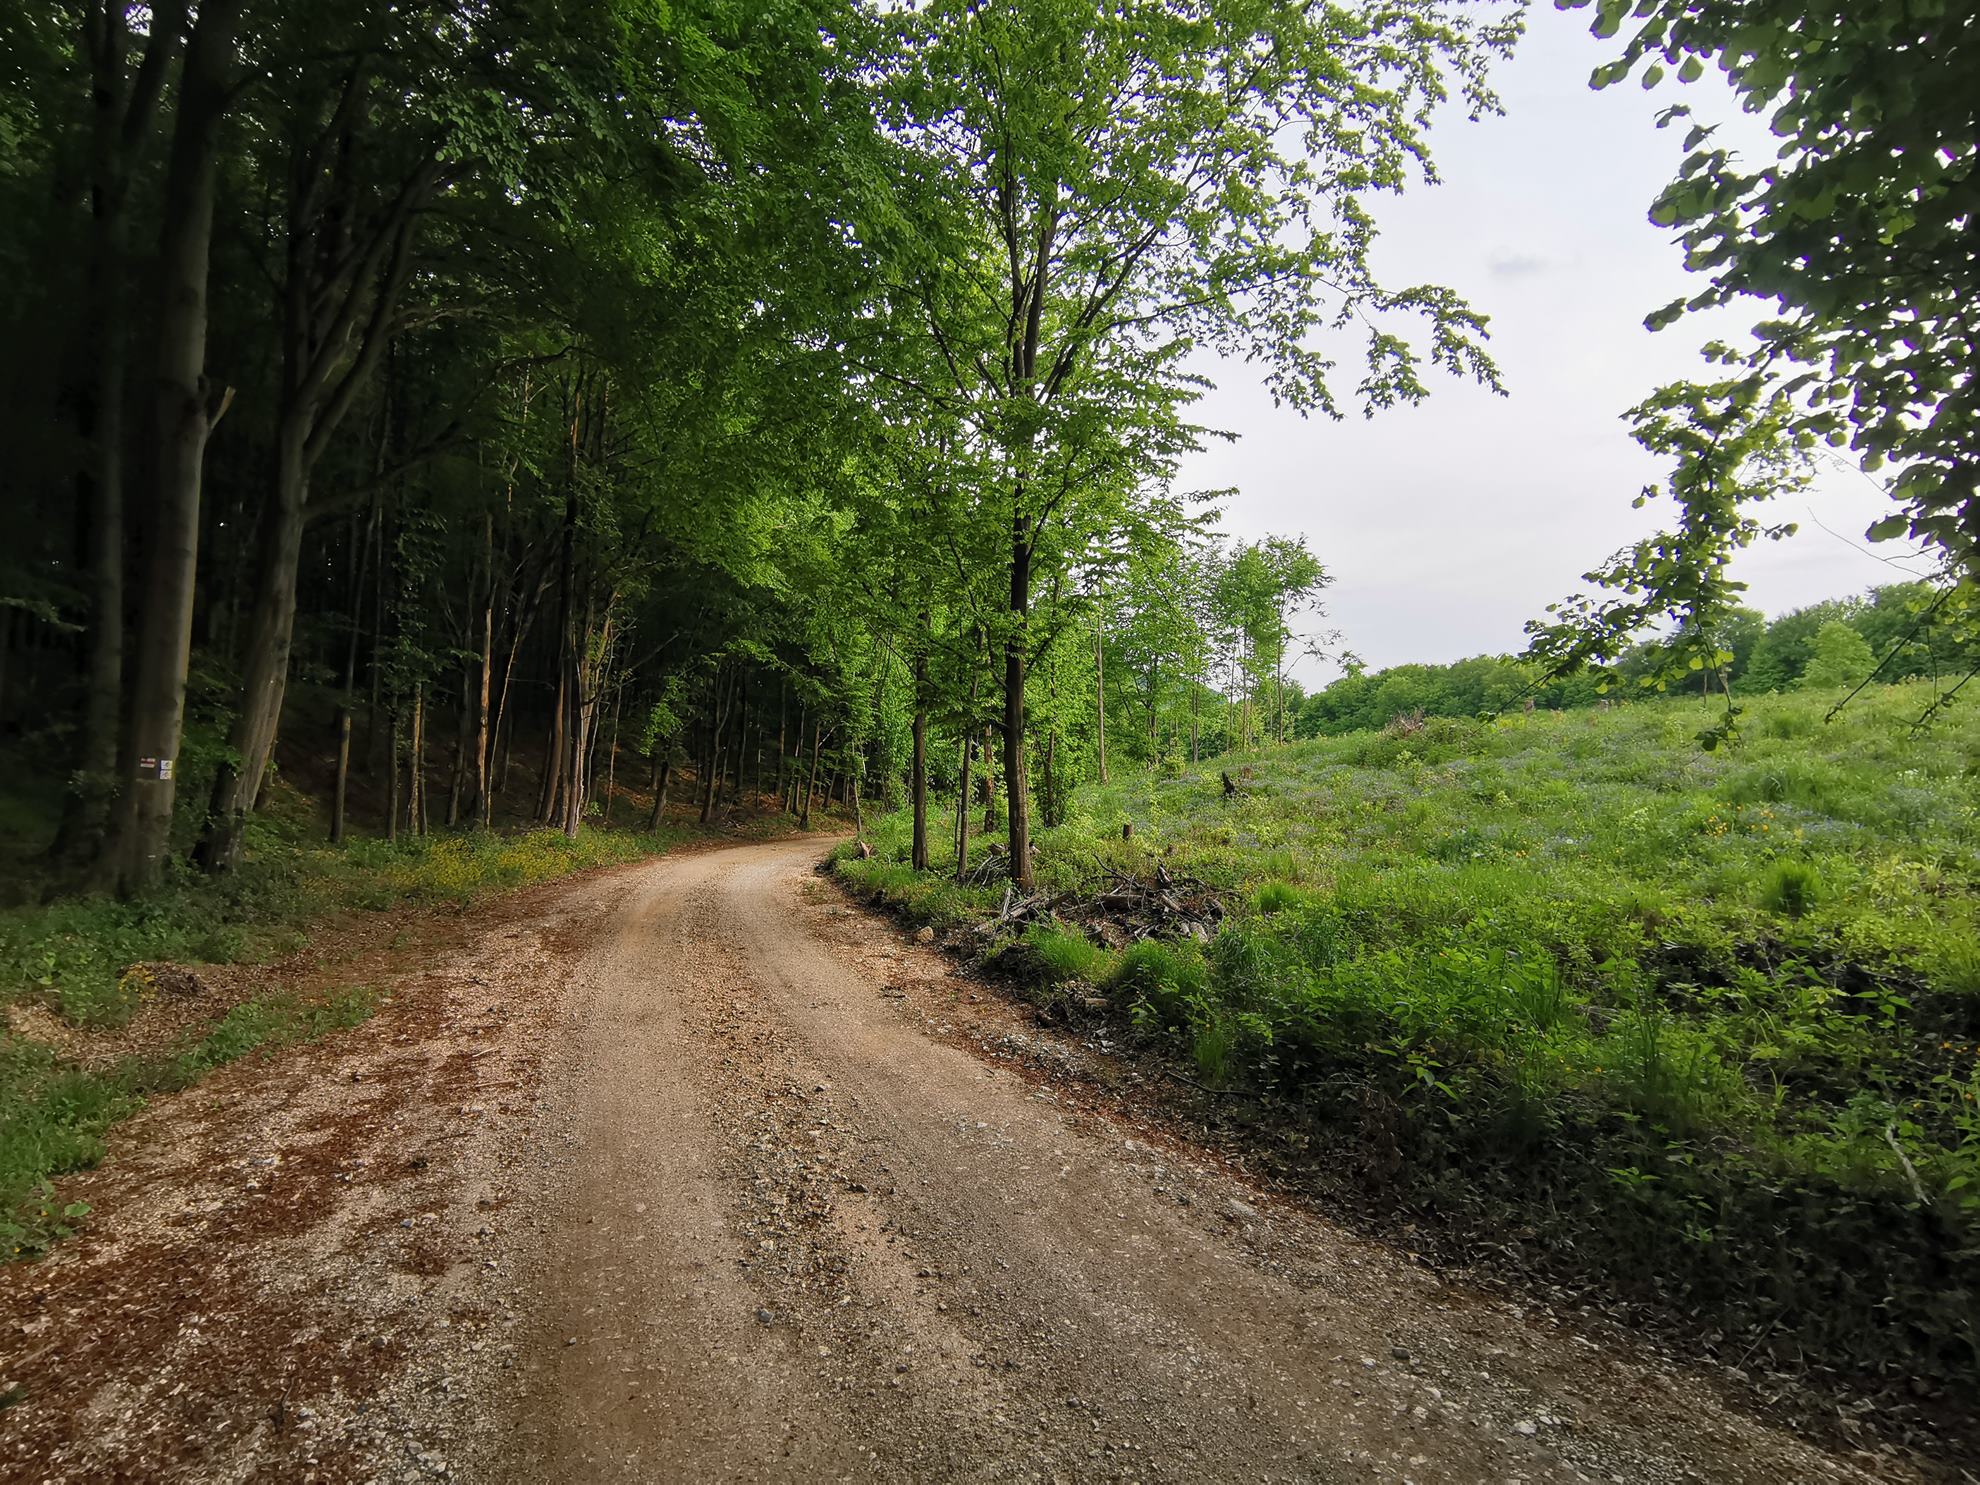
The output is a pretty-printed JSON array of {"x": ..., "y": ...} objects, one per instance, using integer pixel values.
[
  {"x": 1702, "y": 1028},
  {"x": 93, "y": 962}
]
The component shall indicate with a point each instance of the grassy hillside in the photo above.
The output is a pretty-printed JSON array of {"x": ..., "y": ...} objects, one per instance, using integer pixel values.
[{"x": 1707, "y": 1024}]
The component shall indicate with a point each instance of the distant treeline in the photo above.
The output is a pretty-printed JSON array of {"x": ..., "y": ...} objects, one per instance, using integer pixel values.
[{"x": 1836, "y": 642}]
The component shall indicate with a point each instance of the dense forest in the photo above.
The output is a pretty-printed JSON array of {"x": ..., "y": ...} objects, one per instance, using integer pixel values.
[
  {"x": 457, "y": 442},
  {"x": 698, "y": 384},
  {"x": 683, "y": 388}
]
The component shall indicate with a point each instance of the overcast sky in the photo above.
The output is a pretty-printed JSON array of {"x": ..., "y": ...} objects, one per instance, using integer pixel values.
[{"x": 1448, "y": 525}]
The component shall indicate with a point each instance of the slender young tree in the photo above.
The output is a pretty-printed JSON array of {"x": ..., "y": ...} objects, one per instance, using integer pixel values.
[{"x": 1071, "y": 171}]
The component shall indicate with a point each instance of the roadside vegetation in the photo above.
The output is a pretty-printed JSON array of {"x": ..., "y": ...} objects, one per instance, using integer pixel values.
[
  {"x": 96, "y": 964},
  {"x": 807, "y": 417},
  {"x": 1703, "y": 1025},
  {"x": 54, "y": 1114}
]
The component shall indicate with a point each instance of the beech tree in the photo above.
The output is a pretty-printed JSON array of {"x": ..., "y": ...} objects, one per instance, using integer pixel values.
[
  {"x": 1858, "y": 231},
  {"x": 185, "y": 407},
  {"x": 1100, "y": 191}
]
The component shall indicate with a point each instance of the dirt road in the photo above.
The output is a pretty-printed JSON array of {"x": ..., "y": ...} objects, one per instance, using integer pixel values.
[{"x": 686, "y": 1171}]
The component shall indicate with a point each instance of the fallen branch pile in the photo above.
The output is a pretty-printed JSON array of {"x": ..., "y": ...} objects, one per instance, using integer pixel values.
[{"x": 1130, "y": 909}]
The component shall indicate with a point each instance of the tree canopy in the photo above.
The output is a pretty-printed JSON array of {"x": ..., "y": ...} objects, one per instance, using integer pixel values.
[{"x": 1859, "y": 233}]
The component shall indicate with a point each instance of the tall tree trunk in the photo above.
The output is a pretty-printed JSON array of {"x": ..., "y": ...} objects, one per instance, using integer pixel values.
[
  {"x": 183, "y": 419},
  {"x": 343, "y": 776},
  {"x": 811, "y": 782},
  {"x": 1054, "y": 809},
  {"x": 711, "y": 772},
  {"x": 553, "y": 755},
  {"x": 566, "y": 581},
  {"x": 989, "y": 783},
  {"x": 457, "y": 769},
  {"x": 483, "y": 739},
  {"x": 591, "y": 651},
  {"x": 377, "y": 645},
  {"x": 783, "y": 751},
  {"x": 416, "y": 766},
  {"x": 1100, "y": 684},
  {"x": 457, "y": 780},
  {"x": 327, "y": 356},
  {"x": 265, "y": 673},
  {"x": 1017, "y": 791},
  {"x": 120, "y": 115},
  {"x": 502, "y": 737},
  {"x": 662, "y": 768},
  {"x": 962, "y": 807},
  {"x": 741, "y": 705},
  {"x": 918, "y": 784},
  {"x": 392, "y": 789},
  {"x": 347, "y": 701},
  {"x": 612, "y": 758}
]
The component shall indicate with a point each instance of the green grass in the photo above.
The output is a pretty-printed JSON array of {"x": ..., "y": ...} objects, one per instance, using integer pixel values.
[
  {"x": 1069, "y": 955},
  {"x": 1679, "y": 1011},
  {"x": 54, "y": 1115},
  {"x": 74, "y": 955}
]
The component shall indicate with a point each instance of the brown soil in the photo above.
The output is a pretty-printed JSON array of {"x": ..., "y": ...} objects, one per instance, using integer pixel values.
[{"x": 687, "y": 1171}]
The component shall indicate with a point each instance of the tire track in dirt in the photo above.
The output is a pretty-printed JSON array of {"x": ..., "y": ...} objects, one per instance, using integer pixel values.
[{"x": 845, "y": 1248}]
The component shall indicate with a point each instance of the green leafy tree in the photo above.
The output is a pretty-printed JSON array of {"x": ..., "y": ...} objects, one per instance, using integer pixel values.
[
  {"x": 1788, "y": 643},
  {"x": 1101, "y": 190},
  {"x": 1841, "y": 658},
  {"x": 1859, "y": 230}
]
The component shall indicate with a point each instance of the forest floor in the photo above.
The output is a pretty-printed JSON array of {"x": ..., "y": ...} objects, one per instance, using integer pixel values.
[{"x": 687, "y": 1170}]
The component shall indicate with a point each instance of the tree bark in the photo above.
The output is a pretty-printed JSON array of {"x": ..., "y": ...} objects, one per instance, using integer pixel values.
[
  {"x": 918, "y": 785},
  {"x": 1100, "y": 684},
  {"x": 962, "y": 808},
  {"x": 502, "y": 737},
  {"x": 782, "y": 750},
  {"x": 343, "y": 776},
  {"x": 712, "y": 755},
  {"x": 183, "y": 419},
  {"x": 811, "y": 783},
  {"x": 483, "y": 740},
  {"x": 347, "y": 703},
  {"x": 457, "y": 780},
  {"x": 1016, "y": 655},
  {"x": 416, "y": 766},
  {"x": 989, "y": 782},
  {"x": 612, "y": 759},
  {"x": 120, "y": 116},
  {"x": 662, "y": 768},
  {"x": 1054, "y": 808},
  {"x": 741, "y": 706},
  {"x": 327, "y": 356},
  {"x": 392, "y": 789}
]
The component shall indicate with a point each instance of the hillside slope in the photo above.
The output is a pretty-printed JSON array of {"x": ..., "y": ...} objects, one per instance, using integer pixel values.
[{"x": 1701, "y": 1024}]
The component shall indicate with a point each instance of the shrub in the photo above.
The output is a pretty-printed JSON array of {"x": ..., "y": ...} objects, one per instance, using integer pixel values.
[
  {"x": 1273, "y": 897},
  {"x": 1068, "y": 953},
  {"x": 1164, "y": 985},
  {"x": 1791, "y": 887}
]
